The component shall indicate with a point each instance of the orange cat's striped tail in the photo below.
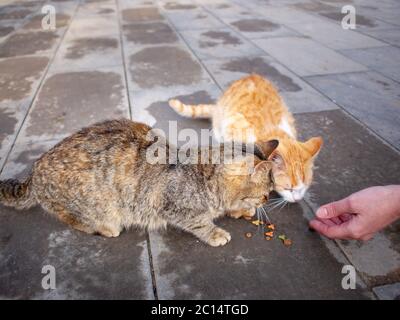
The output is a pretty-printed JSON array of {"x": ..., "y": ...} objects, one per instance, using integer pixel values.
[{"x": 191, "y": 111}]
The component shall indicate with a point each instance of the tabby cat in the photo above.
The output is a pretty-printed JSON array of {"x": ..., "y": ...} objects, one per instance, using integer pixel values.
[
  {"x": 99, "y": 180},
  {"x": 252, "y": 110}
]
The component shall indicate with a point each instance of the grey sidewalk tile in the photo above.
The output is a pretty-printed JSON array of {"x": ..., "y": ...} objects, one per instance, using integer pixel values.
[
  {"x": 226, "y": 9},
  {"x": 193, "y": 19},
  {"x": 76, "y": 53},
  {"x": 149, "y": 33},
  {"x": 19, "y": 79},
  {"x": 299, "y": 96},
  {"x": 370, "y": 97},
  {"x": 22, "y": 157},
  {"x": 332, "y": 11},
  {"x": 220, "y": 43},
  {"x": 163, "y": 66},
  {"x": 86, "y": 266},
  {"x": 151, "y": 107},
  {"x": 15, "y": 12},
  {"x": 388, "y": 292},
  {"x": 69, "y": 101},
  {"x": 141, "y": 14},
  {"x": 126, "y": 4},
  {"x": 389, "y": 15},
  {"x": 103, "y": 8},
  {"x": 179, "y": 5},
  {"x": 391, "y": 36},
  {"x": 28, "y": 43},
  {"x": 306, "y": 57},
  {"x": 335, "y": 37},
  {"x": 287, "y": 15},
  {"x": 353, "y": 159},
  {"x": 254, "y": 268},
  {"x": 254, "y": 27},
  {"x": 385, "y": 60},
  {"x": 6, "y": 28},
  {"x": 93, "y": 26},
  {"x": 363, "y": 22}
]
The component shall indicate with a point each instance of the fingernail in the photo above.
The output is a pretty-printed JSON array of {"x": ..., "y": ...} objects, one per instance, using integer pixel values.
[{"x": 322, "y": 213}]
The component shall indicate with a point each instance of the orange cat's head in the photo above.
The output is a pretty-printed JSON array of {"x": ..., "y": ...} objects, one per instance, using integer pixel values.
[{"x": 293, "y": 167}]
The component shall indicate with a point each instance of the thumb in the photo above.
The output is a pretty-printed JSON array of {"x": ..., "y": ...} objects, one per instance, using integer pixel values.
[{"x": 334, "y": 209}]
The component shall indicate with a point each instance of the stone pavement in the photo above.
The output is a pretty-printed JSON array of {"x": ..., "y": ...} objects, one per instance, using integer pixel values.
[{"x": 126, "y": 58}]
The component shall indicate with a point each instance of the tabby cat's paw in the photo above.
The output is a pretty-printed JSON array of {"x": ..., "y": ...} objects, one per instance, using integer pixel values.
[{"x": 219, "y": 237}]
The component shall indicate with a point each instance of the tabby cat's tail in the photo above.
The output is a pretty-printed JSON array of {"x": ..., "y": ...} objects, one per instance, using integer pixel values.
[
  {"x": 191, "y": 111},
  {"x": 17, "y": 194}
]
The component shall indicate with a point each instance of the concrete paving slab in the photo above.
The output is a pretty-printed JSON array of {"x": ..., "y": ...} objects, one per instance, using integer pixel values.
[
  {"x": 254, "y": 27},
  {"x": 77, "y": 53},
  {"x": 249, "y": 268},
  {"x": 226, "y": 9},
  {"x": 388, "y": 292},
  {"x": 306, "y": 57},
  {"x": 220, "y": 43},
  {"x": 69, "y": 101},
  {"x": 141, "y": 14},
  {"x": 391, "y": 36},
  {"x": 6, "y": 28},
  {"x": 150, "y": 33},
  {"x": 299, "y": 96},
  {"x": 352, "y": 159},
  {"x": 286, "y": 15},
  {"x": 27, "y": 43},
  {"x": 164, "y": 66},
  {"x": 93, "y": 26},
  {"x": 385, "y": 60},
  {"x": 19, "y": 79},
  {"x": 192, "y": 19},
  {"x": 335, "y": 37},
  {"x": 86, "y": 266},
  {"x": 361, "y": 95},
  {"x": 152, "y": 108}
]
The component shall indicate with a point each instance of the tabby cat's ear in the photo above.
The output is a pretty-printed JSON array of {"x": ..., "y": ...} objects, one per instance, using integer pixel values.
[
  {"x": 261, "y": 169},
  {"x": 313, "y": 146},
  {"x": 268, "y": 147}
]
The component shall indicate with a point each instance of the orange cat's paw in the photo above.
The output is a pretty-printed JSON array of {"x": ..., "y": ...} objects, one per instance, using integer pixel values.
[{"x": 219, "y": 237}]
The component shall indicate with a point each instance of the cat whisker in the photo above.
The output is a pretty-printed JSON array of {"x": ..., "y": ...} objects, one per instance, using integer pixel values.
[{"x": 266, "y": 215}]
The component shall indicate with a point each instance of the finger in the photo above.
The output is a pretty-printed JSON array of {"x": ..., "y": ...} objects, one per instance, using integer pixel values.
[
  {"x": 346, "y": 217},
  {"x": 367, "y": 237},
  {"x": 334, "y": 209},
  {"x": 337, "y": 220},
  {"x": 329, "y": 222},
  {"x": 333, "y": 231}
]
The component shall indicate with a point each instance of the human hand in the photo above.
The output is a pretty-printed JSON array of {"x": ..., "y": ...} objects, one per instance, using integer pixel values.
[{"x": 360, "y": 215}]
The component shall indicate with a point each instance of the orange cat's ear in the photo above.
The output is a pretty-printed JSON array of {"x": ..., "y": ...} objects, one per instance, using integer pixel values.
[
  {"x": 267, "y": 147},
  {"x": 313, "y": 146}
]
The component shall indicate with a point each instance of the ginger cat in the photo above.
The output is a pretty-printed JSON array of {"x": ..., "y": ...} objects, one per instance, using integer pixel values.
[{"x": 252, "y": 110}]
